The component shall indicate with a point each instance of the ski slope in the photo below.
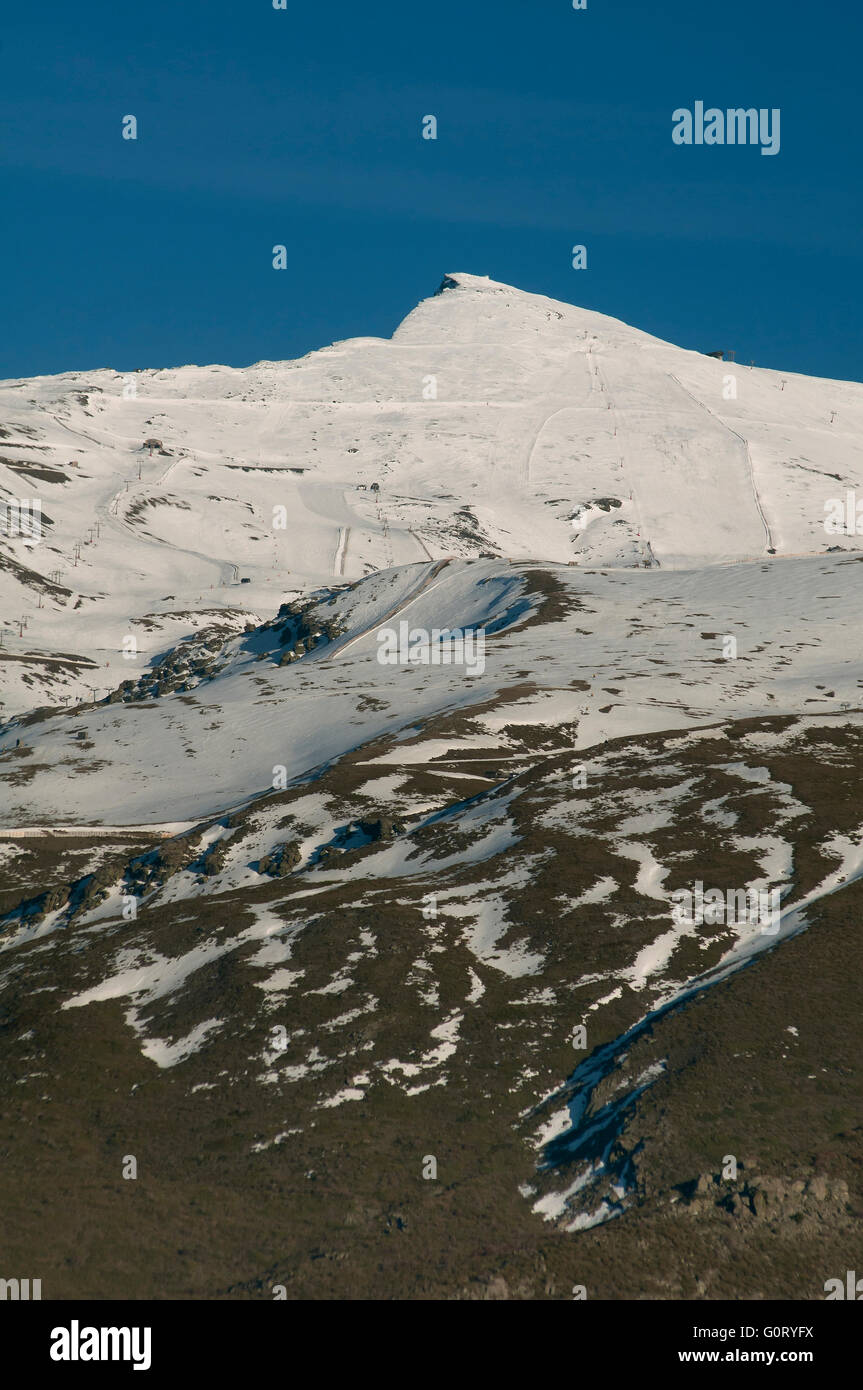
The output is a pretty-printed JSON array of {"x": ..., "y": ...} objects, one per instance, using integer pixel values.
[{"x": 493, "y": 422}]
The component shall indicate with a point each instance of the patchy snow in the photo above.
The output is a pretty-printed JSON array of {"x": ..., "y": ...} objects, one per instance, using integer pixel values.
[
  {"x": 166, "y": 1054},
  {"x": 581, "y": 494}
]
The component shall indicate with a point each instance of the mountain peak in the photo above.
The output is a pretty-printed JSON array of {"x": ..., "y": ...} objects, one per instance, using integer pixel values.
[{"x": 460, "y": 279}]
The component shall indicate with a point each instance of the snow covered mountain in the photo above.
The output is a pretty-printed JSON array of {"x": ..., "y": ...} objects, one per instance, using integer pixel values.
[
  {"x": 494, "y": 422},
  {"x": 273, "y": 885}
]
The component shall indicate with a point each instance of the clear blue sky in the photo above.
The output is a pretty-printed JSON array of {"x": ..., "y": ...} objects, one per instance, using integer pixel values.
[{"x": 301, "y": 126}]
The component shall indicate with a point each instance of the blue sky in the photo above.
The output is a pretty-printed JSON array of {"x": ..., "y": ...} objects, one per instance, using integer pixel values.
[{"x": 302, "y": 126}]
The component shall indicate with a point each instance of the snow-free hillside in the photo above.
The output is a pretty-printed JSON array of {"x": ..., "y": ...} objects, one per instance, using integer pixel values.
[{"x": 494, "y": 422}]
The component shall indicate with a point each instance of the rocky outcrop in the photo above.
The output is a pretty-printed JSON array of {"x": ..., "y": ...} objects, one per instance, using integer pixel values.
[
  {"x": 756, "y": 1195},
  {"x": 281, "y": 860},
  {"x": 383, "y": 828}
]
